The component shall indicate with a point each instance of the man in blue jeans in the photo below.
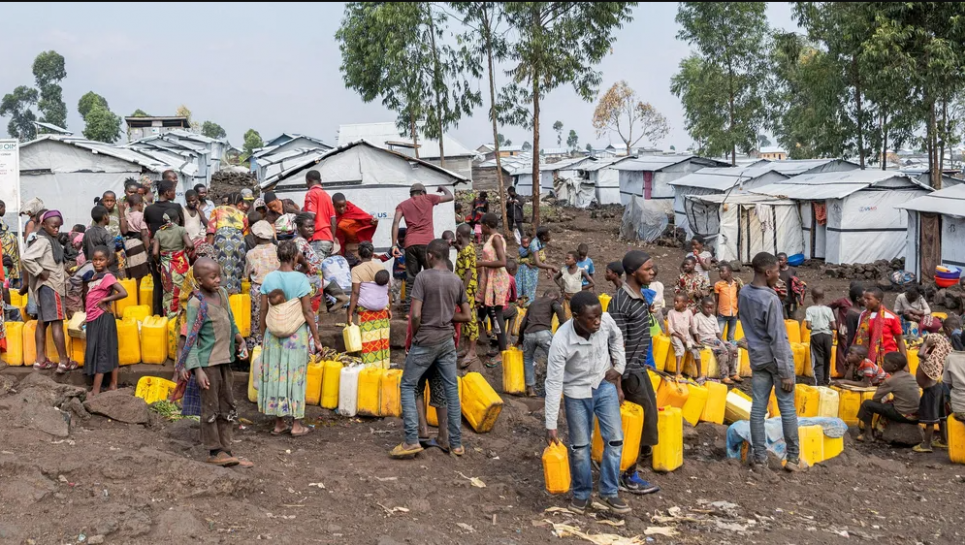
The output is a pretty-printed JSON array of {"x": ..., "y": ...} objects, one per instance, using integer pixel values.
[
  {"x": 762, "y": 317},
  {"x": 536, "y": 333},
  {"x": 585, "y": 363},
  {"x": 435, "y": 295}
]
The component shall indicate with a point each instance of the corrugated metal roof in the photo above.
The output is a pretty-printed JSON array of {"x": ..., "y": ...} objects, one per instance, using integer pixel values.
[
  {"x": 832, "y": 185},
  {"x": 722, "y": 179},
  {"x": 794, "y": 167},
  {"x": 572, "y": 163},
  {"x": 950, "y": 202},
  {"x": 601, "y": 164},
  {"x": 740, "y": 198},
  {"x": 52, "y": 127},
  {"x": 651, "y": 163},
  {"x": 378, "y": 134}
]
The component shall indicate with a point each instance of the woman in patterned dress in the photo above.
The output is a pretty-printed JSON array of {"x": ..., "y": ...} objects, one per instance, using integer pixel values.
[
  {"x": 308, "y": 262},
  {"x": 493, "y": 293},
  {"x": 227, "y": 228},
  {"x": 466, "y": 271},
  {"x": 532, "y": 258},
  {"x": 372, "y": 301}
]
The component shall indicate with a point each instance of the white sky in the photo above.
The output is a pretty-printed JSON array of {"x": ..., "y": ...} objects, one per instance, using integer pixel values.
[{"x": 274, "y": 66}]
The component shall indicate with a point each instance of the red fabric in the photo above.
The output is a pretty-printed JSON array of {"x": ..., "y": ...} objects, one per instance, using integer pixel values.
[
  {"x": 354, "y": 226},
  {"x": 647, "y": 185},
  {"x": 417, "y": 211},
  {"x": 319, "y": 202}
]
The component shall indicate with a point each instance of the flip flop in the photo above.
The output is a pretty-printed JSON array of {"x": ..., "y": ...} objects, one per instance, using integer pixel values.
[
  {"x": 399, "y": 452},
  {"x": 435, "y": 443},
  {"x": 302, "y": 434},
  {"x": 458, "y": 451},
  {"x": 276, "y": 433},
  {"x": 47, "y": 365}
]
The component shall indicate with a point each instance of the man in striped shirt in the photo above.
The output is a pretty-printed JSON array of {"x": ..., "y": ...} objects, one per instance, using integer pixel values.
[{"x": 630, "y": 310}]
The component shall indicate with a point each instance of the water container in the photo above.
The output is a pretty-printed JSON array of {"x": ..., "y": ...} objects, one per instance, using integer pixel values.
[
  {"x": 246, "y": 287},
  {"x": 800, "y": 352},
  {"x": 137, "y": 313},
  {"x": 30, "y": 342},
  {"x": 369, "y": 400},
  {"x": 128, "y": 342},
  {"x": 808, "y": 370},
  {"x": 514, "y": 376},
  {"x": 352, "y": 337},
  {"x": 313, "y": 382},
  {"x": 154, "y": 389},
  {"x": 773, "y": 409},
  {"x": 14, "y": 353},
  {"x": 556, "y": 468},
  {"x": 391, "y": 402},
  {"x": 956, "y": 440},
  {"x": 811, "y": 439},
  {"x": 833, "y": 446},
  {"x": 481, "y": 404},
  {"x": 78, "y": 351},
  {"x": 716, "y": 403},
  {"x": 431, "y": 416},
  {"x": 709, "y": 361},
  {"x": 555, "y": 323},
  {"x": 827, "y": 402},
  {"x": 130, "y": 285},
  {"x": 654, "y": 380},
  {"x": 738, "y": 406},
  {"x": 745, "y": 363},
  {"x": 806, "y": 400},
  {"x": 849, "y": 401},
  {"x": 668, "y": 454},
  {"x": 173, "y": 334},
  {"x": 252, "y": 392},
  {"x": 51, "y": 348},
  {"x": 912, "y": 360},
  {"x": 605, "y": 301},
  {"x": 661, "y": 352},
  {"x": 145, "y": 294},
  {"x": 331, "y": 378},
  {"x": 793, "y": 328},
  {"x": 154, "y": 340},
  {"x": 672, "y": 394},
  {"x": 241, "y": 310},
  {"x": 631, "y": 422},
  {"x": 517, "y": 322},
  {"x": 738, "y": 331},
  {"x": 696, "y": 401},
  {"x": 348, "y": 390}
]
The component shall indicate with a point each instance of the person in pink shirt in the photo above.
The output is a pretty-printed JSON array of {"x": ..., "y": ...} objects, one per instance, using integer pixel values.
[
  {"x": 417, "y": 212},
  {"x": 318, "y": 202}
]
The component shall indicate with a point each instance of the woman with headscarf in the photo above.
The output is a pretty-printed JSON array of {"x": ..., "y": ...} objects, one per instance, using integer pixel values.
[
  {"x": 308, "y": 262},
  {"x": 44, "y": 261},
  {"x": 532, "y": 258},
  {"x": 259, "y": 261},
  {"x": 227, "y": 228},
  {"x": 171, "y": 245}
]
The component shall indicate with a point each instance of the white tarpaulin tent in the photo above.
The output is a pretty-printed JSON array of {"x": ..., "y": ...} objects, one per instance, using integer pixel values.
[
  {"x": 714, "y": 181},
  {"x": 936, "y": 231},
  {"x": 798, "y": 167},
  {"x": 862, "y": 223},
  {"x": 374, "y": 179},
  {"x": 10, "y": 182},
  {"x": 743, "y": 225},
  {"x": 603, "y": 178}
]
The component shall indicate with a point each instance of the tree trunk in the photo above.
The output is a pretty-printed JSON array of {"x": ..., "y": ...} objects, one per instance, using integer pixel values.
[
  {"x": 536, "y": 76},
  {"x": 436, "y": 82},
  {"x": 414, "y": 132},
  {"x": 937, "y": 177},
  {"x": 487, "y": 33},
  {"x": 884, "y": 141},
  {"x": 730, "y": 113},
  {"x": 857, "y": 101}
]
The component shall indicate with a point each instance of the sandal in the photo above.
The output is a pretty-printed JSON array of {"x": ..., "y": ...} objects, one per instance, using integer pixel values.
[
  {"x": 302, "y": 434},
  {"x": 922, "y": 450},
  {"x": 223, "y": 459},
  {"x": 283, "y": 431},
  {"x": 46, "y": 365},
  {"x": 399, "y": 452},
  {"x": 458, "y": 451},
  {"x": 492, "y": 364},
  {"x": 70, "y": 366}
]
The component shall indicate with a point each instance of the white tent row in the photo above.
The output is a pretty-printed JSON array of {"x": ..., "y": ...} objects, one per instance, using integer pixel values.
[
  {"x": 742, "y": 225},
  {"x": 936, "y": 231}
]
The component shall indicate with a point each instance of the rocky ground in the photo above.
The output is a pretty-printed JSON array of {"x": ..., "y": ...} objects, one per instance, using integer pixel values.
[{"x": 110, "y": 471}]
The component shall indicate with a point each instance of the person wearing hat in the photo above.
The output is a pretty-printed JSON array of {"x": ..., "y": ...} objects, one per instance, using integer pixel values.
[
  {"x": 630, "y": 310},
  {"x": 417, "y": 212},
  {"x": 318, "y": 202},
  {"x": 259, "y": 261}
]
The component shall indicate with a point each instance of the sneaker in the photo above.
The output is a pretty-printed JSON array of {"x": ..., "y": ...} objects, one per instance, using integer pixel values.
[
  {"x": 579, "y": 507},
  {"x": 612, "y": 504},
  {"x": 795, "y": 465},
  {"x": 633, "y": 484}
]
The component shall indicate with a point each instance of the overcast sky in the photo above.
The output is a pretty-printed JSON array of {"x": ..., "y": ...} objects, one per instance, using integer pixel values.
[{"x": 274, "y": 66}]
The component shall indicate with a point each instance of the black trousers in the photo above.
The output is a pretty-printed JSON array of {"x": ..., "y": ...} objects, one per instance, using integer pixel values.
[
  {"x": 887, "y": 410},
  {"x": 158, "y": 299},
  {"x": 498, "y": 321},
  {"x": 638, "y": 389},
  {"x": 821, "y": 346},
  {"x": 415, "y": 262}
]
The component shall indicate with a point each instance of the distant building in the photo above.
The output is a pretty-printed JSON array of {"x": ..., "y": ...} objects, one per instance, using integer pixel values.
[
  {"x": 488, "y": 151},
  {"x": 143, "y": 127},
  {"x": 771, "y": 153}
]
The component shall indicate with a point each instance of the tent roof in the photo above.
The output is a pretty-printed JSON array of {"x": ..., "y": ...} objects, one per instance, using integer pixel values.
[
  {"x": 654, "y": 163},
  {"x": 381, "y": 134},
  {"x": 741, "y": 198},
  {"x": 149, "y": 162},
  {"x": 950, "y": 202},
  {"x": 566, "y": 164},
  {"x": 601, "y": 164},
  {"x": 722, "y": 179},
  {"x": 794, "y": 167},
  {"x": 833, "y": 185}
]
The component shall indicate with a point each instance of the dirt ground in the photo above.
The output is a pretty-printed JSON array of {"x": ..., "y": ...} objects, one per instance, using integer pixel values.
[{"x": 109, "y": 482}]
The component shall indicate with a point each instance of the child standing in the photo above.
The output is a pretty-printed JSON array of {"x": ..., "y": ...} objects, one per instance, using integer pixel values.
[
  {"x": 100, "y": 357},
  {"x": 708, "y": 333},
  {"x": 901, "y": 385},
  {"x": 858, "y": 364},
  {"x": 704, "y": 260},
  {"x": 788, "y": 276},
  {"x": 44, "y": 264},
  {"x": 536, "y": 333},
  {"x": 680, "y": 325},
  {"x": 691, "y": 283},
  {"x": 771, "y": 360},
  {"x": 572, "y": 280},
  {"x": 212, "y": 341},
  {"x": 820, "y": 320},
  {"x": 726, "y": 292},
  {"x": 585, "y": 262},
  {"x": 931, "y": 410},
  {"x": 659, "y": 304}
]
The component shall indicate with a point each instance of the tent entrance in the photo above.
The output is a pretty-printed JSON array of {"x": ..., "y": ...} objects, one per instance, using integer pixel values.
[
  {"x": 819, "y": 230},
  {"x": 930, "y": 243},
  {"x": 757, "y": 231}
]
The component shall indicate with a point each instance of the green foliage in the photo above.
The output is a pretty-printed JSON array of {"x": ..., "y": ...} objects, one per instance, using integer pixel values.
[
  {"x": 102, "y": 125},
  {"x": 89, "y": 101},
  {"x": 572, "y": 141},
  {"x": 253, "y": 141},
  {"x": 527, "y": 146},
  {"x": 17, "y": 105},
  {"x": 212, "y": 130},
  {"x": 140, "y": 113},
  {"x": 49, "y": 70},
  {"x": 558, "y": 128},
  {"x": 722, "y": 84}
]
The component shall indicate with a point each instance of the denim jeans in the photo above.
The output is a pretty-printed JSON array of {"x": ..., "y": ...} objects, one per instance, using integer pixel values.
[
  {"x": 605, "y": 404},
  {"x": 762, "y": 381},
  {"x": 531, "y": 343},
  {"x": 730, "y": 322},
  {"x": 419, "y": 360}
]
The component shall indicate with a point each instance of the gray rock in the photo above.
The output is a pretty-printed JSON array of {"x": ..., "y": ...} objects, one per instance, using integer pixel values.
[
  {"x": 179, "y": 524},
  {"x": 95, "y": 540},
  {"x": 105, "y": 526},
  {"x": 119, "y": 405},
  {"x": 136, "y": 524},
  {"x": 902, "y": 434}
]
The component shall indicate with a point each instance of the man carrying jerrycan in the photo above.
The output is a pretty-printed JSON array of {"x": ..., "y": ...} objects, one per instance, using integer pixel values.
[{"x": 585, "y": 363}]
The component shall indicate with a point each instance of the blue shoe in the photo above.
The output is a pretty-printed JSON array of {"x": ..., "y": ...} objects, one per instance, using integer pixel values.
[{"x": 634, "y": 484}]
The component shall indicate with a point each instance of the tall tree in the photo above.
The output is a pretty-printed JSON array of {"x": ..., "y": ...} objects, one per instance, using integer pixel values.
[
  {"x": 89, "y": 101},
  {"x": 620, "y": 111},
  {"x": 49, "y": 70},
  {"x": 252, "y": 142},
  {"x": 17, "y": 105},
  {"x": 722, "y": 84},
  {"x": 558, "y": 128},
  {"x": 140, "y": 113},
  {"x": 527, "y": 146},
  {"x": 212, "y": 130},
  {"x": 572, "y": 141},
  {"x": 101, "y": 125},
  {"x": 502, "y": 141}
]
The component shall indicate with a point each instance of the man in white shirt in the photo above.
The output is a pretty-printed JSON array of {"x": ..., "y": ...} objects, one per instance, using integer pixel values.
[{"x": 585, "y": 363}]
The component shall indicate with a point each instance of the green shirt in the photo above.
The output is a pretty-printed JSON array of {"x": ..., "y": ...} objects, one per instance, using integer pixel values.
[{"x": 216, "y": 339}]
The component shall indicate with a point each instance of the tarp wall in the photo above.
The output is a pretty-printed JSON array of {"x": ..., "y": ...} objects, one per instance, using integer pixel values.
[
  {"x": 912, "y": 257},
  {"x": 953, "y": 240},
  {"x": 746, "y": 230},
  {"x": 607, "y": 181},
  {"x": 631, "y": 182},
  {"x": 865, "y": 226},
  {"x": 645, "y": 220},
  {"x": 72, "y": 193}
]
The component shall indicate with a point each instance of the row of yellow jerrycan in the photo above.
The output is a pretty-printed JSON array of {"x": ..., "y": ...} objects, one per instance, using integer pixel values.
[
  {"x": 149, "y": 343},
  {"x": 815, "y": 446},
  {"x": 697, "y": 403},
  {"x": 373, "y": 391},
  {"x": 809, "y": 402}
]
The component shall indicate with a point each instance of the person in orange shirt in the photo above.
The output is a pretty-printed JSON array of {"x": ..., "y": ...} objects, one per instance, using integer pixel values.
[{"x": 725, "y": 295}]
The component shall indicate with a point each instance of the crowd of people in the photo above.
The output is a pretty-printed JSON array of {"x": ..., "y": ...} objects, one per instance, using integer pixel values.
[{"x": 299, "y": 262}]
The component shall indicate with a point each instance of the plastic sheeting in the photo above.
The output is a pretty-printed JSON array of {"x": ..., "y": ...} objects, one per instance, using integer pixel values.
[
  {"x": 866, "y": 227},
  {"x": 607, "y": 186},
  {"x": 72, "y": 193},
  {"x": 740, "y": 432},
  {"x": 645, "y": 220},
  {"x": 575, "y": 192},
  {"x": 953, "y": 243}
]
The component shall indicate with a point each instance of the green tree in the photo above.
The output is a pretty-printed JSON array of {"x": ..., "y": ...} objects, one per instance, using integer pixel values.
[
  {"x": 89, "y": 101},
  {"x": 101, "y": 125},
  {"x": 527, "y": 146},
  {"x": 17, "y": 105},
  {"x": 589, "y": 149},
  {"x": 558, "y": 127},
  {"x": 252, "y": 142},
  {"x": 140, "y": 113},
  {"x": 49, "y": 70},
  {"x": 558, "y": 43},
  {"x": 502, "y": 141},
  {"x": 572, "y": 141},
  {"x": 212, "y": 130},
  {"x": 722, "y": 84}
]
